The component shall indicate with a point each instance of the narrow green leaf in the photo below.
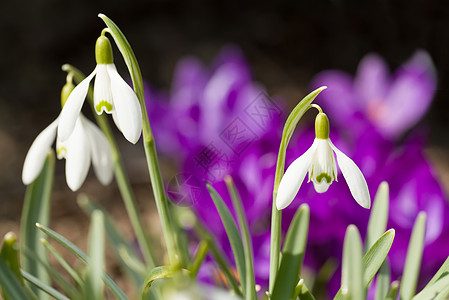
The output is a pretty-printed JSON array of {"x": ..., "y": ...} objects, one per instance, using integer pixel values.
[
  {"x": 201, "y": 253},
  {"x": 95, "y": 262},
  {"x": 413, "y": 259},
  {"x": 250, "y": 291},
  {"x": 276, "y": 215},
  {"x": 10, "y": 254},
  {"x": 62, "y": 262},
  {"x": 292, "y": 255},
  {"x": 383, "y": 281},
  {"x": 302, "y": 291},
  {"x": 55, "y": 275},
  {"x": 352, "y": 267},
  {"x": 43, "y": 286},
  {"x": 393, "y": 293},
  {"x": 36, "y": 208},
  {"x": 83, "y": 257},
  {"x": 12, "y": 289},
  {"x": 440, "y": 289},
  {"x": 219, "y": 257},
  {"x": 120, "y": 246},
  {"x": 379, "y": 215},
  {"x": 232, "y": 232},
  {"x": 444, "y": 269},
  {"x": 160, "y": 272},
  {"x": 374, "y": 258}
]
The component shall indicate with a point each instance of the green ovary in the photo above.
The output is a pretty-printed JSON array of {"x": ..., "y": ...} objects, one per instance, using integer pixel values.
[
  {"x": 325, "y": 176},
  {"x": 105, "y": 104}
]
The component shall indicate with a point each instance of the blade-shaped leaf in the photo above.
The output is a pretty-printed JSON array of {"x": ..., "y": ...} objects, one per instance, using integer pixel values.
[
  {"x": 383, "y": 281},
  {"x": 444, "y": 269},
  {"x": 250, "y": 291},
  {"x": 43, "y": 286},
  {"x": 119, "y": 244},
  {"x": 95, "y": 263},
  {"x": 292, "y": 255},
  {"x": 439, "y": 289},
  {"x": 413, "y": 259},
  {"x": 352, "y": 267},
  {"x": 83, "y": 257},
  {"x": 232, "y": 232},
  {"x": 11, "y": 287},
  {"x": 379, "y": 215},
  {"x": 10, "y": 254},
  {"x": 36, "y": 208},
  {"x": 374, "y": 258}
]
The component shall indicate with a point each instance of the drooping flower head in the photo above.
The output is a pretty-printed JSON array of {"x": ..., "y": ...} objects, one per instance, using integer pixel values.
[
  {"x": 86, "y": 143},
  {"x": 111, "y": 95},
  {"x": 319, "y": 161}
]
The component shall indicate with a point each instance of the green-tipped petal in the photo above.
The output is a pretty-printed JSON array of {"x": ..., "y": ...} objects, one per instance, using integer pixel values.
[{"x": 102, "y": 91}]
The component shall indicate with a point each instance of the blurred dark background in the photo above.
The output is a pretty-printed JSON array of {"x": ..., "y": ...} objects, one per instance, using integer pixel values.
[{"x": 286, "y": 43}]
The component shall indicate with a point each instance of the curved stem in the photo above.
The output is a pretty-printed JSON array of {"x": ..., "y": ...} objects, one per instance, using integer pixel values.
[
  {"x": 276, "y": 215},
  {"x": 148, "y": 142}
]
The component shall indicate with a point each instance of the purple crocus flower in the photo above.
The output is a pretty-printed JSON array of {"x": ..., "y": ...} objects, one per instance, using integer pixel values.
[
  {"x": 392, "y": 103},
  {"x": 218, "y": 121}
]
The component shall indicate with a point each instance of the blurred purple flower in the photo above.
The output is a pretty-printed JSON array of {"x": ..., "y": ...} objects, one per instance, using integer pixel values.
[
  {"x": 392, "y": 104},
  {"x": 191, "y": 125}
]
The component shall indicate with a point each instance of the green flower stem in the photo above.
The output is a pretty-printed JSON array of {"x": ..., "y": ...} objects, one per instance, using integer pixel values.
[
  {"x": 148, "y": 141},
  {"x": 276, "y": 215},
  {"x": 120, "y": 175}
]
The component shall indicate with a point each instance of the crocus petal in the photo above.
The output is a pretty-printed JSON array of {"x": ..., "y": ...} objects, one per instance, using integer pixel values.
[
  {"x": 78, "y": 157},
  {"x": 410, "y": 95},
  {"x": 72, "y": 108},
  {"x": 101, "y": 152},
  {"x": 35, "y": 158},
  {"x": 293, "y": 178},
  {"x": 371, "y": 82},
  {"x": 354, "y": 178},
  {"x": 127, "y": 106},
  {"x": 102, "y": 90}
]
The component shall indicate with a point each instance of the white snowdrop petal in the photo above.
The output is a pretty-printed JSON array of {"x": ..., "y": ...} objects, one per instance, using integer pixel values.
[
  {"x": 127, "y": 106},
  {"x": 37, "y": 153},
  {"x": 72, "y": 108},
  {"x": 102, "y": 91},
  {"x": 354, "y": 178},
  {"x": 78, "y": 157},
  {"x": 293, "y": 178},
  {"x": 100, "y": 150}
]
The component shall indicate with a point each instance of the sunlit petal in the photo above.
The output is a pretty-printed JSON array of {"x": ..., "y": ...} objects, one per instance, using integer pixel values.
[
  {"x": 78, "y": 157},
  {"x": 37, "y": 153},
  {"x": 293, "y": 178},
  {"x": 72, "y": 108},
  {"x": 354, "y": 178},
  {"x": 102, "y": 91},
  {"x": 127, "y": 106},
  {"x": 101, "y": 152}
]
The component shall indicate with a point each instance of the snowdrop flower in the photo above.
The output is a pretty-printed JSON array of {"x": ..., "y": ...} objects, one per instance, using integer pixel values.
[
  {"x": 319, "y": 161},
  {"x": 86, "y": 143},
  {"x": 111, "y": 95}
]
